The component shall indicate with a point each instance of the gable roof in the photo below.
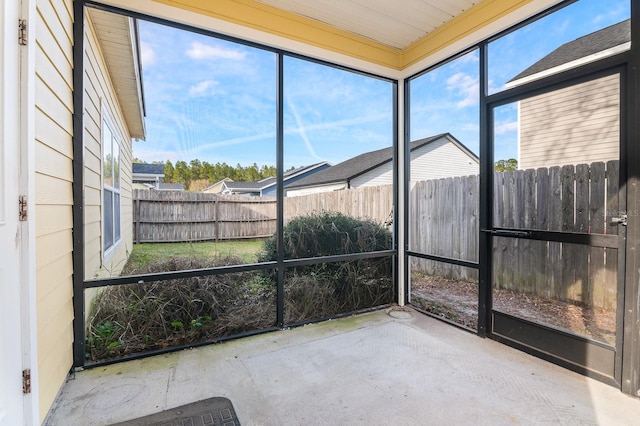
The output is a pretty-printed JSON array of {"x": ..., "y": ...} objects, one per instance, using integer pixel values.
[
  {"x": 170, "y": 186},
  {"x": 234, "y": 186},
  {"x": 220, "y": 182},
  {"x": 356, "y": 166},
  {"x": 262, "y": 184},
  {"x": 147, "y": 169},
  {"x": 583, "y": 47}
]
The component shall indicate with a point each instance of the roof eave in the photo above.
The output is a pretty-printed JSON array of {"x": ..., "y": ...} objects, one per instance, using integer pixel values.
[
  {"x": 124, "y": 70},
  {"x": 315, "y": 185},
  {"x": 612, "y": 51}
]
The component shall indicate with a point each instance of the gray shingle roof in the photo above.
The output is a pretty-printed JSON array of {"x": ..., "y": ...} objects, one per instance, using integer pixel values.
[
  {"x": 353, "y": 167},
  {"x": 171, "y": 187},
  {"x": 148, "y": 169},
  {"x": 249, "y": 186},
  {"x": 590, "y": 44},
  {"x": 267, "y": 182}
]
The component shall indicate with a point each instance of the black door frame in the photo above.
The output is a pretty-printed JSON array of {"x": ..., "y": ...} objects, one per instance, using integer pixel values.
[
  {"x": 581, "y": 354},
  {"x": 627, "y": 373},
  {"x": 631, "y": 326}
]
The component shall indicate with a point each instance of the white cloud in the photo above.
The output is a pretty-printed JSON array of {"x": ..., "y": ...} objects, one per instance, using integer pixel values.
[
  {"x": 470, "y": 127},
  {"x": 508, "y": 127},
  {"x": 203, "y": 51},
  {"x": 471, "y": 57},
  {"x": 613, "y": 14},
  {"x": 466, "y": 86},
  {"x": 207, "y": 87},
  {"x": 147, "y": 55}
]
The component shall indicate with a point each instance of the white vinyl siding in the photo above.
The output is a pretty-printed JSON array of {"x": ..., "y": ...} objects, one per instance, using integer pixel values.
[
  {"x": 54, "y": 197},
  {"x": 435, "y": 160},
  {"x": 575, "y": 125},
  {"x": 296, "y": 192}
]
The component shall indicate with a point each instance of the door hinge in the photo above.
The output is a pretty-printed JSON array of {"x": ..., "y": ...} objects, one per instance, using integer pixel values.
[
  {"x": 22, "y": 212},
  {"x": 26, "y": 381},
  {"x": 23, "y": 32}
]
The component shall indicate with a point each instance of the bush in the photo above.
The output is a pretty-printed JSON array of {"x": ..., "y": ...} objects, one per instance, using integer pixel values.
[
  {"x": 139, "y": 317},
  {"x": 328, "y": 234},
  {"x": 324, "y": 289}
]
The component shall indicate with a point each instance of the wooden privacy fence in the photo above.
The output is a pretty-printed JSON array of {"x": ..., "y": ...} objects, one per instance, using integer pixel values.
[
  {"x": 443, "y": 220},
  {"x": 171, "y": 216},
  {"x": 371, "y": 202},
  {"x": 581, "y": 199}
]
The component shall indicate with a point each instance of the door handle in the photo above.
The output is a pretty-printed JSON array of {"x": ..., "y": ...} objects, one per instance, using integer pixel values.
[{"x": 507, "y": 233}]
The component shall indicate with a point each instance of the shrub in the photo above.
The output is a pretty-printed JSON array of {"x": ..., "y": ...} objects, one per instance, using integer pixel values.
[
  {"x": 328, "y": 234},
  {"x": 138, "y": 317},
  {"x": 323, "y": 289}
]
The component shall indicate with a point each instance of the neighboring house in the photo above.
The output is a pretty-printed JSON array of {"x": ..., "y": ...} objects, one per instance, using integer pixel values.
[
  {"x": 216, "y": 188},
  {"x": 150, "y": 175},
  {"x": 267, "y": 186},
  {"x": 435, "y": 157},
  {"x": 251, "y": 189},
  {"x": 576, "y": 124}
]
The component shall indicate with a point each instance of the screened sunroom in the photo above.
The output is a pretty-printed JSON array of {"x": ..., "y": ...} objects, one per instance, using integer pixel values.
[{"x": 345, "y": 195}]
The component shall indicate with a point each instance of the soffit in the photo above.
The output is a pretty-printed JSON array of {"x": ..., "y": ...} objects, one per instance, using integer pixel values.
[
  {"x": 396, "y": 24},
  {"x": 118, "y": 42}
]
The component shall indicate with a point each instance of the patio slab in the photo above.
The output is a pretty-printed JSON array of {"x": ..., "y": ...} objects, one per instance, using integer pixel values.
[{"x": 368, "y": 369}]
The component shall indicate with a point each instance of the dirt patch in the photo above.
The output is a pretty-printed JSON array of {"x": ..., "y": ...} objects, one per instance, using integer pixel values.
[{"x": 457, "y": 301}]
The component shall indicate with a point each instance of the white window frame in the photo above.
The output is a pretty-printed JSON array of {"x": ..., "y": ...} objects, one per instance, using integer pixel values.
[{"x": 107, "y": 123}]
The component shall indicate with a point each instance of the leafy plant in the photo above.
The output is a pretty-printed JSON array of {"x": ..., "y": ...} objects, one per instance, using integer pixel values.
[
  {"x": 508, "y": 165},
  {"x": 200, "y": 321},
  {"x": 102, "y": 337}
]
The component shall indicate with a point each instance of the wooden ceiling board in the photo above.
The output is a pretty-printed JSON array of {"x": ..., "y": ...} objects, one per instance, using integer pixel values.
[{"x": 396, "y": 23}]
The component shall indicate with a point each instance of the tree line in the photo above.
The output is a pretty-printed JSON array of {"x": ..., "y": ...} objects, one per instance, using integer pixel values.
[{"x": 197, "y": 175}]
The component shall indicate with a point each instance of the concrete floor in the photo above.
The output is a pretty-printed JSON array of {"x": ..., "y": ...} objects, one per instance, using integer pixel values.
[{"x": 371, "y": 369}]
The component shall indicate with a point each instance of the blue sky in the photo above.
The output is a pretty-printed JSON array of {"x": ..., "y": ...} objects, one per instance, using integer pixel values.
[
  {"x": 215, "y": 100},
  {"x": 446, "y": 99}
]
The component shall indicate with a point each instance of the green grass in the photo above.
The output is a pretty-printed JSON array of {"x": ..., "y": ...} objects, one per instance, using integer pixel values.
[{"x": 142, "y": 254}]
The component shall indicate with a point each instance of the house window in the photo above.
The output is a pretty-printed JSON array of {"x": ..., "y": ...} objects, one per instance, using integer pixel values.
[{"x": 110, "y": 186}]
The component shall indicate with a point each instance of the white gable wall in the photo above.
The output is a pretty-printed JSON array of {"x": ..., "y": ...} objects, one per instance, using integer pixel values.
[
  {"x": 435, "y": 160},
  {"x": 316, "y": 189}
]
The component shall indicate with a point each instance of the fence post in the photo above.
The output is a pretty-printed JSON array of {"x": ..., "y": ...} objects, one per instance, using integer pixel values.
[
  {"x": 216, "y": 222},
  {"x": 136, "y": 235}
]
